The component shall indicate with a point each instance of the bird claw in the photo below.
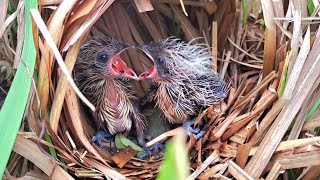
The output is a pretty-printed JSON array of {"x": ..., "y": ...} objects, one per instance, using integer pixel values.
[
  {"x": 158, "y": 147},
  {"x": 197, "y": 134},
  {"x": 154, "y": 150},
  {"x": 193, "y": 130},
  {"x": 101, "y": 136}
]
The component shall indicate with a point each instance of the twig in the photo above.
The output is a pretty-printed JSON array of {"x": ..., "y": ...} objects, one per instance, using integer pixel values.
[
  {"x": 163, "y": 136},
  {"x": 214, "y": 157}
]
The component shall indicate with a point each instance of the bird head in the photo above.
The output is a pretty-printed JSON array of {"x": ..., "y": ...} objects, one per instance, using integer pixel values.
[
  {"x": 160, "y": 69},
  {"x": 101, "y": 57},
  {"x": 175, "y": 59}
]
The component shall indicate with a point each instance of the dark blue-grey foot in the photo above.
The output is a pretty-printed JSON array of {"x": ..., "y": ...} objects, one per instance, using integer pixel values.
[
  {"x": 190, "y": 130},
  {"x": 101, "y": 136},
  {"x": 155, "y": 150}
]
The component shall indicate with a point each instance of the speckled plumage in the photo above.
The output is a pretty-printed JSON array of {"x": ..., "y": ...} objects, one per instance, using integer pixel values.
[
  {"x": 110, "y": 93},
  {"x": 185, "y": 81}
]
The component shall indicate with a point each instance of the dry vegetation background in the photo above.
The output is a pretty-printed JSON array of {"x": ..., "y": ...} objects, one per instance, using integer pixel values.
[{"x": 268, "y": 51}]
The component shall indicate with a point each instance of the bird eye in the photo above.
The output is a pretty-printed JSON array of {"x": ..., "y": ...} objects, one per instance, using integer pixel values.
[
  {"x": 102, "y": 57},
  {"x": 160, "y": 61}
]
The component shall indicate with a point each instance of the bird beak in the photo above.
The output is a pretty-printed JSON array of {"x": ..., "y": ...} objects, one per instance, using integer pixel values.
[
  {"x": 149, "y": 74},
  {"x": 152, "y": 72},
  {"x": 119, "y": 67},
  {"x": 125, "y": 46}
]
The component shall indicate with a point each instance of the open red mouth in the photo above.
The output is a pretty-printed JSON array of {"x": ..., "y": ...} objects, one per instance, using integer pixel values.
[
  {"x": 150, "y": 73},
  {"x": 119, "y": 67}
]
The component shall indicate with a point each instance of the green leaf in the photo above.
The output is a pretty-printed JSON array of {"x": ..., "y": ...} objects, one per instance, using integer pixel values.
[
  {"x": 262, "y": 24},
  {"x": 175, "y": 163},
  {"x": 293, "y": 174},
  {"x": 127, "y": 142},
  {"x": 310, "y": 6},
  {"x": 118, "y": 142},
  {"x": 14, "y": 106},
  {"x": 51, "y": 149},
  {"x": 312, "y": 112},
  {"x": 284, "y": 75},
  {"x": 48, "y": 139},
  {"x": 313, "y": 109},
  {"x": 122, "y": 142},
  {"x": 245, "y": 12},
  {"x": 283, "y": 80}
]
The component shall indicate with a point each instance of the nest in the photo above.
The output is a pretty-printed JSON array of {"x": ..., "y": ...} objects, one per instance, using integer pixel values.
[{"x": 239, "y": 131}]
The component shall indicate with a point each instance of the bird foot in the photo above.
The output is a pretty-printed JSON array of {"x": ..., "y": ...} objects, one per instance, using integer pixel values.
[
  {"x": 101, "y": 136},
  {"x": 196, "y": 132},
  {"x": 155, "y": 150}
]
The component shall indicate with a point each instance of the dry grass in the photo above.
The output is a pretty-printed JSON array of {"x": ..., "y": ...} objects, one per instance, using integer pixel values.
[{"x": 260, "y": 130}]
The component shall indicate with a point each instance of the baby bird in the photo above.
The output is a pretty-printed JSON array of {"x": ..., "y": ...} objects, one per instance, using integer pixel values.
[
  {"x": 103, "y": 77},
  {"x": 182, "y": 81}
]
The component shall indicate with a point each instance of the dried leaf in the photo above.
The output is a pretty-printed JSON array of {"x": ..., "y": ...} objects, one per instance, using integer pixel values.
[
  {"x": 243, "y": 154},
  {"x": 63, "y": 86},
  {"x": 54, "y": 32},
  {"x": 122, "y": 157},
  {"x": 46, "y": 34},
  {"x": 83, "y": 10},
  {"x": 270, "y": 38},
  {"x": 31, "y": 151},
  {"x": 214, "y": 157},
  {"x": 75, "y": 117},
  {"x": 284, "y": 119},
  {"x": 143, "y": 5},
  {"x": 237, "y": 171}
]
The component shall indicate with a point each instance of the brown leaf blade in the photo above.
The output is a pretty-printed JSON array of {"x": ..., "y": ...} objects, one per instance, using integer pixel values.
[
  {"x": 31, "y": 151},
  {"x": 270, "y": 37}
]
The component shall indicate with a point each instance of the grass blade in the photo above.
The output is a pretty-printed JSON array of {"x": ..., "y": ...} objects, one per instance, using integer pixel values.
[
  {"x": 15, "y": 103},
  {"x": 313, "y": 110},
  {"x": 310, "y": 6}
]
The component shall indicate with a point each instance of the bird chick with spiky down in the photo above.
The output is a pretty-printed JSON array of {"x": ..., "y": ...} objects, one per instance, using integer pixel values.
[
  {"x": 182, "y": 80},
  {"x": 103, "y": 77}
]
